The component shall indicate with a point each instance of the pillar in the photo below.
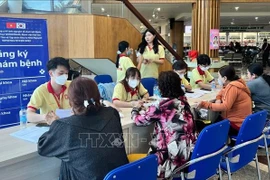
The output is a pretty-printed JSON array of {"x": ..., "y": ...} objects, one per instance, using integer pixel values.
[
  {"x": 205, "y": 16},
  {"x": 177, "y": 35}
]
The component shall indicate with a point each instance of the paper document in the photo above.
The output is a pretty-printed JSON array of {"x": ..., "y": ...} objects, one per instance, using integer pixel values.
[
  {"x": 196, "y": 94},
  {"x": 31, "y": 134},
  {"x": 63, "y": 113}
]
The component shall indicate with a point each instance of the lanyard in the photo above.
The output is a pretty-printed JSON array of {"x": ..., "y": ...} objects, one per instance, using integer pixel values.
[{"x": 58, "y": 100}]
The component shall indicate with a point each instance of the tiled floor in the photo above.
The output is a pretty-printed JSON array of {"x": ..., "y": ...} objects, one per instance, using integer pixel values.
[{"x": 249, "y": 172}]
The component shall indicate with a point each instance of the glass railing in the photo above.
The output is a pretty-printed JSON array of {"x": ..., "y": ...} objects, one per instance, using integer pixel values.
[{"x": 105, "y": 8}]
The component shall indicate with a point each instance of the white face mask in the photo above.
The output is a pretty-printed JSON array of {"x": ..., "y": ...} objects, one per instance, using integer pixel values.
[
  {"x": 61, "y": 80},
  {"x": 204, "y": 68},
  {"x": 220, "y": 82},
  {"x": 181, "y": 76},
  {"x": 129, "y": 52},
  {"x": 133, "y": 83}
]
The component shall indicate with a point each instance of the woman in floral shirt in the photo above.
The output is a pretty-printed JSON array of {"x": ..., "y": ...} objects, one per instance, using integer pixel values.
[{"x": 174, "y": 132}]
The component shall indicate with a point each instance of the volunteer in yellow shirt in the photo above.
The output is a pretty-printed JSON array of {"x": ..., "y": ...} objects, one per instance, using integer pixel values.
[
  {"x": 200, "y": 76},
  {"x": 123, "y": 61},
  {"x": 180, "y": 67},
  {"x": 130, "y": 92},
  {"x": 150, "y": 55},
  {"x": 51, "y": 95}
]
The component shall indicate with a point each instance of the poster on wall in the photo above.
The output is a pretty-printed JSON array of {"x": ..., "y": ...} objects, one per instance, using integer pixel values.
[
  {"x": 23, "y": 57},
  {"x": 214, "y": 38}
]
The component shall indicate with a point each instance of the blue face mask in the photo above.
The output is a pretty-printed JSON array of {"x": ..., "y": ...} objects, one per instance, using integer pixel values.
[
  {"x": 220, "y": 82},
  {"x": 129, "y": 52}
]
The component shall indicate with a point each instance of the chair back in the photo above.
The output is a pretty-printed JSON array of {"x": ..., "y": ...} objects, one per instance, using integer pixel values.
[
  {"x": 251, "y": 128},
  {"x": 145, "y": 168},
  {"x": 211, "y": 139},
  {"x": 103, "y": 78},
  {"x": 106, "y": 90},
  {"x": 149, "y": 84}
]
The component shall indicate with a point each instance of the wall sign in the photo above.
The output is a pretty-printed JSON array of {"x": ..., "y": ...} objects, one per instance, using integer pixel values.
[
  {"x": 23, "y": 57},
  {"x": 240, "y": 28},
  {"x": 214, "y": 38}
]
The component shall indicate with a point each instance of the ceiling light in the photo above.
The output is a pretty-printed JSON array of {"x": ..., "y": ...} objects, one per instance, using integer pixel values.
[
  {"x": 256, "y": 18},
  {"x": 169, "y": 34},
  {"x": 236, "y": 8},
  {"x": 269, "y": 22},
  {"x": 158, "y": 9},
  {"x": 108, "y": 15},
  {"x": 153, "y": 15},
  {"x": 102, "y": 9},
  {"x": 149, "y": 20},
  {"x": 232, "y": 23}
]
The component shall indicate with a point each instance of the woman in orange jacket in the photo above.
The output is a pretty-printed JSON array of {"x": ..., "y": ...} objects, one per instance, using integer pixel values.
[{"x": 234, "y": 100}]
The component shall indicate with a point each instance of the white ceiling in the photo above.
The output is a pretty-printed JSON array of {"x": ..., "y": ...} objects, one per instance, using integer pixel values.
[{"x": 244, "y": 16}]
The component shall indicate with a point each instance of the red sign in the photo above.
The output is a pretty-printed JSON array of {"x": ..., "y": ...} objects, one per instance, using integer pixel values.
[{"x": 11, "y": 25}]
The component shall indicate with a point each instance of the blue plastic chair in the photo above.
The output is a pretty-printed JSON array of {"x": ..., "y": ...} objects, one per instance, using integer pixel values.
[
  {"x": 145, "y": 168},
  {"x": 246, "y": 145},
  {"x": 103, "y": 78},
  {"x": 207, "y": 153},
  {"x": 149, "y": 84}
]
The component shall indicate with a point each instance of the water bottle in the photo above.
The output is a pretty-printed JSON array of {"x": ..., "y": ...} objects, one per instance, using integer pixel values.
[
  {"x": 213, "y": 85},
  {"x": 23, "y": 118},
  {"x": 183, "y": 87},
  {"x": 156, "y": 91}
]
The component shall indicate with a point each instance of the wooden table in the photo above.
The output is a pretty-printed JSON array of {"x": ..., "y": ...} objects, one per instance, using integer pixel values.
[{"x": 19, "y": 159}]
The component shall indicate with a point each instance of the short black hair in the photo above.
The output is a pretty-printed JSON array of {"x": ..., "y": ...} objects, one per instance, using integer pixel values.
[
  {"x": 179, "y": 65},
  {"x": 203, "y": 59},
  {"x": 57, "y": 61},
  {"x": 256, "y": 69}
]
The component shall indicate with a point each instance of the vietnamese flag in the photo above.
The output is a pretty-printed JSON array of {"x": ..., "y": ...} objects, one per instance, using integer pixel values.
[{"x": 11, "y": 25}]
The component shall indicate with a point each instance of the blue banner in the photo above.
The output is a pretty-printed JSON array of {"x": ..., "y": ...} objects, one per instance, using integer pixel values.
[{"x": 23, "y": 57}]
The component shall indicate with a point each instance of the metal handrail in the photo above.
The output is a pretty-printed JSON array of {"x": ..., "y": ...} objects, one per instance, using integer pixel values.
[
  {"x": 148, "y": 25},
  {"x": 193, "y": 161},
  {"x": 243, "y": 144}
]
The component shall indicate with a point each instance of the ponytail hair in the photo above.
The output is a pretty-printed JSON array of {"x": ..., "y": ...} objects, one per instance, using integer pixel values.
[
  {"x": 229, "y": 72},
  {"x": 84, "y": 96},
  {"x": 122, "y": 46}
]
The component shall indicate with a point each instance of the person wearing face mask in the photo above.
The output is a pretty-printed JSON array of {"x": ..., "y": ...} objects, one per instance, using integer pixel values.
[
  {"x": 200, "y": 76},
  {"x": 123, "y": 61},
  {"x": 129, "y": 92},
  {"x": 51, "y": 95},
  {"x": 235, "y": 99},
  {"x": 67, "y": 139},
  {"x": 259, "y": 86},
  {"x": 150, "y": 55},
  {"x": 180, "y": 67}
]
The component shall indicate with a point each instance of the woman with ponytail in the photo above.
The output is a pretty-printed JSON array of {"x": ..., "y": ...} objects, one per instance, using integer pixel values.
[
  {"x": 85, "y": 140},
  {"x": 234, "y": 100},
  {"x": 259, "y": 86},
  {"x": 123, "y": 61}
]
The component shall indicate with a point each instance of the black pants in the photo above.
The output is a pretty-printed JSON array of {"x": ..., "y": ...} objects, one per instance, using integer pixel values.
[
  {"x": 265, "y": 59},
  {"x": 232, "y": 131}
]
